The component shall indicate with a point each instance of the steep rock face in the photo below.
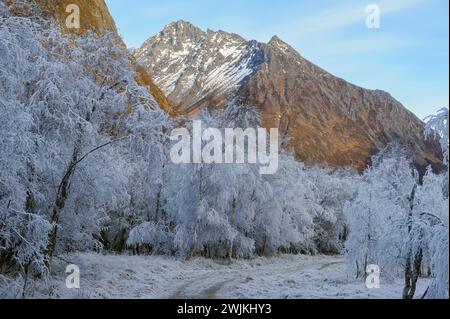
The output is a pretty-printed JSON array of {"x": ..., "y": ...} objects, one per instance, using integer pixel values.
[
  {"x": 144, "y": 79},
  {"x": 328, "y": 120},
  {"x": 95, "y": 16}
]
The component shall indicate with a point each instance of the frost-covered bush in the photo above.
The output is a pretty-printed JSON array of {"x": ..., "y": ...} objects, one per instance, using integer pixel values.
[
  {"x": 23, "y": 240},
  {"x": 439, "y": 250},
  {"x": 155, "y": 237},
  {"x": 11, "y": 288}
]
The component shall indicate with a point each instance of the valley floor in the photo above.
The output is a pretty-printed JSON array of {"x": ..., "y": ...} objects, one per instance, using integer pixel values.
[{"x": 287, "y": 276}]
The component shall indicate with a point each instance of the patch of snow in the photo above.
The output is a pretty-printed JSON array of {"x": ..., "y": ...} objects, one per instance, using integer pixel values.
[{"x": 230, "y": 50}]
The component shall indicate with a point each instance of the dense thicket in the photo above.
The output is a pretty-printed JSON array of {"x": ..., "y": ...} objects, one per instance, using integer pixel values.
[
  {"x": 400, "y": 224},
  {"x": 84, "y": 165}
]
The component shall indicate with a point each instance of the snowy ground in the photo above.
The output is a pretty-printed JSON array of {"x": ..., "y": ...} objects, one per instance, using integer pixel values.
[{"x": 137, "y": 277}]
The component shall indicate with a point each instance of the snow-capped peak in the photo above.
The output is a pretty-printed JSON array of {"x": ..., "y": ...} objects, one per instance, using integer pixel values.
[{"x": 186, "y": 60}]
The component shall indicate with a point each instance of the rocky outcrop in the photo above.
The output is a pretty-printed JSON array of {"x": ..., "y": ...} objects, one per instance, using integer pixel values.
[{"x": 94, "y": 14}]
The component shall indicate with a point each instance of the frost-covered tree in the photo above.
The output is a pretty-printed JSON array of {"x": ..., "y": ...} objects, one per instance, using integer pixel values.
[
  {"x": 202, "y": 198},
  {"x": 438, "y": 125},
  {"x": 331, "y": 189},
  {"x": 400, "y": 224},
  {"x": 431, "y": 231},
  {"x": 150, "y": 186},
  {"x": 231, "y": 210},
  {"x": 431, "y": 219},
  {"x": 71, "y": 113},
  {"x": 379, "y": 216},
  {"x": 293, "y": 190},
  {"x": 23, "y": 233}
]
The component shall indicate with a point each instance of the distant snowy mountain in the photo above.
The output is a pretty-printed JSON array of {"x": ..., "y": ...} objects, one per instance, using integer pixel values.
[{"x": 329, "y": 120}]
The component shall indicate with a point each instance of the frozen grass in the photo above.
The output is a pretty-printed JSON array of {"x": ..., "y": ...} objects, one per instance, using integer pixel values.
[{"x": 138, "y": 277}]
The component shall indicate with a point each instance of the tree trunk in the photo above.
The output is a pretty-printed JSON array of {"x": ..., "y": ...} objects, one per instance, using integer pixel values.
[
  {"x": 60, "y": 203},
  {"x": 412, "y": 274},
  {"x": 230, "y": 251},
  {"x": 158, "y": 205},
  {"x": 63, "y": 194},
  {"x": 191, "y": 253},
  {"x": 413, "y": 267}
]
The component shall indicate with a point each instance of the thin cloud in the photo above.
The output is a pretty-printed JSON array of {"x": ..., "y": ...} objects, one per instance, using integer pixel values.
[{"x": 340, "y": 17}]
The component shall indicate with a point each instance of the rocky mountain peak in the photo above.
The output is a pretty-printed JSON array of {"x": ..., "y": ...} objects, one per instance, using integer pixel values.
[
  {"x": 191, "y": 65},
  {"x": 181, "y": 30},
  {"x": 180, "y": 25},
  {"x": 276, "y": 43}
]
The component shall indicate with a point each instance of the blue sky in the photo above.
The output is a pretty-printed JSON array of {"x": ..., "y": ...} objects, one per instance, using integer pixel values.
[{"x": 407, "y": 56}]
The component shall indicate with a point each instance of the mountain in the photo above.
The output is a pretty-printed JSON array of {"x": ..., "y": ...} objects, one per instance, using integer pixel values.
[
  {"x": 329, "y": 121},
  {"x": 95, "y": 16},
  {"x": 192, "y": 65}
]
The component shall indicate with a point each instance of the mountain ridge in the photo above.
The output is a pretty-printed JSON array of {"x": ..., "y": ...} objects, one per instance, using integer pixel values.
[{"x": 330, "y": 121}]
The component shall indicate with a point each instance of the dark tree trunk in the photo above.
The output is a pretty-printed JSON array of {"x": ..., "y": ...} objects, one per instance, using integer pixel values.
[
  {"x": 60, "y": 203},
  {"x": 63, "y": 194},
  {"x": 412, "y": 274},
  {"x": 414, "y": 259}
]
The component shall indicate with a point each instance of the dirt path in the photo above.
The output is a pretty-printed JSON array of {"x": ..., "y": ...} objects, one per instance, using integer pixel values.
[
  {"x": 219, "y": 283},
  {"x": 210, "y": 291}
]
